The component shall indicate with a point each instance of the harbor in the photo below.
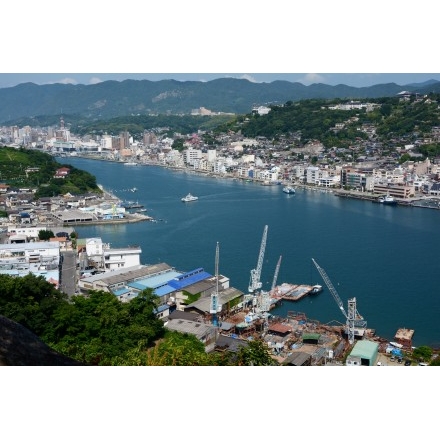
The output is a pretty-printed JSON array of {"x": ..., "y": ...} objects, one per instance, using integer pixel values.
[{"x": 367, "y": 249}]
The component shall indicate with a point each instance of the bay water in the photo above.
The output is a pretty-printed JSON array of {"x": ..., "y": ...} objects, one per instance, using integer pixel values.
[{"x": 384, "y": 256}]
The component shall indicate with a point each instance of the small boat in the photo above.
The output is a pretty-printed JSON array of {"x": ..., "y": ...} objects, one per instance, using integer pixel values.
[
  {"x": 189, "y": 198},
  {"x": 289, "y": 189},
  {"x": 131, "y": 205},
  {"x": 317, "y": 288},
  {"x": 130, "y": 164},
  {"x": 387, "y": 200}
]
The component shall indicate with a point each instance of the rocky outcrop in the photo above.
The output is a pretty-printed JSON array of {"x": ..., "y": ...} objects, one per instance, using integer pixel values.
[{"x": 20, "y": 347}]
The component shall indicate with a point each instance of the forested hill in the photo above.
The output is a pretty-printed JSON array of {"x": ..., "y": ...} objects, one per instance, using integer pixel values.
[
  {"x": 37, "y": 170},
  {"x": 131, "y": 97},
  {"x": 407, "y": 120}
]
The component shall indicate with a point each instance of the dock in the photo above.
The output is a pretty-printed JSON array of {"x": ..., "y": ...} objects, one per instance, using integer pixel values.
[{"x": 291, "y": 292}]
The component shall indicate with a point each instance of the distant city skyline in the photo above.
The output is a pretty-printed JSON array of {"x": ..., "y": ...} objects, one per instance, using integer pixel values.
[{"x": 350, "y": 79}]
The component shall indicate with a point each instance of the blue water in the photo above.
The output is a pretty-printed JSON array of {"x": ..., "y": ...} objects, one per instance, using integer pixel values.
[{"x": 385, "y": 256}]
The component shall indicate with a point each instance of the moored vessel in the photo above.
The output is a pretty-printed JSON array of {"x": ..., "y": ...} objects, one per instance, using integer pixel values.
[
  {"x": 387, "y": 200},
  {"x": 317, "y": 288},
  {"x": 289, "y": 189}
]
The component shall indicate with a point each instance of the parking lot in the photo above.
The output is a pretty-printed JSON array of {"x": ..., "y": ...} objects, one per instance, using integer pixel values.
[{"x": 385, "y": 361}]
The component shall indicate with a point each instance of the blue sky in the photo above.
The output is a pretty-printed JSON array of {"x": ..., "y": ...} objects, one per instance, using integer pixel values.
[{"x": 351, "y": 79}]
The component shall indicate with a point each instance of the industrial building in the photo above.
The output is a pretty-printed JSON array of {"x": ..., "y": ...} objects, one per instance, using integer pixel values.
[{"x": 364, "y": 353}]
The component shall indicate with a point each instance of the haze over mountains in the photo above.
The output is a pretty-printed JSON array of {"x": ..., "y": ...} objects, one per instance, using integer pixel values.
[{"x": 131, "y": 97}]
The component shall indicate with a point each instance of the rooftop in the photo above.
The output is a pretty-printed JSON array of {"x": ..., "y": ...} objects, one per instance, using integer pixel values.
[{"x": 404, "y": 333}]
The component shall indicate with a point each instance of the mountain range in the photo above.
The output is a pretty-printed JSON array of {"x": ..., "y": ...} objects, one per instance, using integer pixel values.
[{"x": 110, "y": 99}]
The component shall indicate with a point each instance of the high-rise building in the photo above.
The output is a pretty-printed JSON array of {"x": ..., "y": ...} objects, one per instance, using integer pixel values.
[{"x": 125, "y": 140}]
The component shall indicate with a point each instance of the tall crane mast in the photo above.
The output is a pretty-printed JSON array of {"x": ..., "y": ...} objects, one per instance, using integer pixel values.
[
  {"x": 353, "y": 319},
  {"x": 215, "y": 307},
  {"x": 277, "y": 269},
  {"x": 255, "y": 283}
]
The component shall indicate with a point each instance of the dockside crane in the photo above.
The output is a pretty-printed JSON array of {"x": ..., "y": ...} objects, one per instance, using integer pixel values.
[
  {"x": 277, "y": 269},
  {"x": 255, "y": 283},
  {"x": 215, "y": 307},
  {"x": 354, "y": 320}
]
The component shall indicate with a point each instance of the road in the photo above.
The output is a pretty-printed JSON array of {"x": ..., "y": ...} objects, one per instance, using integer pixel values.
[{"x": 68, "y": 272}]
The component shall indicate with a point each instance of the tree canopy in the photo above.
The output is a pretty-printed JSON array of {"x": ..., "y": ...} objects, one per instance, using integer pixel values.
[{"x": 98, "y": 329}]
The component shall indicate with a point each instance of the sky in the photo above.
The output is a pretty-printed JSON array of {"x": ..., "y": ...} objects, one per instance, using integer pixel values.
[{"x": 351, "y": 79}]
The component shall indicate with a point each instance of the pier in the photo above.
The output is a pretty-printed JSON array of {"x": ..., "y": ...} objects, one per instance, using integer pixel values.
[
  {"x": 291, "y": 292},
  {"x": 431, "y": 202}
]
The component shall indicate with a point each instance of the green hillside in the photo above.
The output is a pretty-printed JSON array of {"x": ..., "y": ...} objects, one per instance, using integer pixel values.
[
  {"x": 35, "y": 170},
  {"x": 308, "y": 120}
]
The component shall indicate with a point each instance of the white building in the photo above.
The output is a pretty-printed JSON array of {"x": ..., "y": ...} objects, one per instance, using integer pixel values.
[
  {"x": 40, "y": 259},
  {"x": 103, "y": 258},
  {"x": 211, "y": 155},
  {"x": 191, "y": 155},
  {"x": 43, "y": 252},
  {"x": 106, "y": 143},
  {"x": 31, "y": 233},
  {"x": 312, "y": 175}
]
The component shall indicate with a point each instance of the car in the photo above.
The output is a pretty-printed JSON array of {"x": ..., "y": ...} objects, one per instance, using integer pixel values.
[
  {"x": 392, "y": 358},
  {"x": 399, "y": 360},
  {"x": 423, "y": 364},
  {"x": 407, "y": 363},
  {"x": 379, "y": 364}
]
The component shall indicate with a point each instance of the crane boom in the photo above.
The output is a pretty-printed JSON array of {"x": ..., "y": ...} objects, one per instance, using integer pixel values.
[
  {"x": 214, "y": 305},
  {"x": 255, "y": 282},
  {"x": 331, "y": 288},
  {"x": 355, "y": 322},
  {"x": 277, "y": 269}
]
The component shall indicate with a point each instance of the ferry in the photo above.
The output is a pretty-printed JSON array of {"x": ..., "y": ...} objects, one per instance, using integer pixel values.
[{"x": 189, "y": 198}]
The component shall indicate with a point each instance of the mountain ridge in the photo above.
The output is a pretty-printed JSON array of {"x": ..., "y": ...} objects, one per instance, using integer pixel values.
[{"x": 112, "y": 98}]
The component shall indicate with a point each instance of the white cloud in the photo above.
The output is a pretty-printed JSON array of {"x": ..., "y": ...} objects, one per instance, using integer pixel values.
[
  {"x": 95, "y": 80},
  {"x": 249, "y": 78},
  {"x": 312, "y": 78},
  {"x": 67, "y": 81}
]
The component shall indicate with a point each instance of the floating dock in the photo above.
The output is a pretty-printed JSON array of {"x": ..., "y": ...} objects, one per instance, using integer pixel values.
[{"x": 291, "y": 292}]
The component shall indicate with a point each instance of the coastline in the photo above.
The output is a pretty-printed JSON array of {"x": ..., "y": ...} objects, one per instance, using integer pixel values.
[{"x": 424, "y": 201}]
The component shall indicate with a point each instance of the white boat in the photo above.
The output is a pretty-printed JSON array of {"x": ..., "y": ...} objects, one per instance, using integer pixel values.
[
  {"x": 132, "y": 164},
  {"x": 289, "y": 189},
  {"x": 189, "y": 198},
  {"x": 317, "y": 288},
  {"x": 387, "y": 200}
]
